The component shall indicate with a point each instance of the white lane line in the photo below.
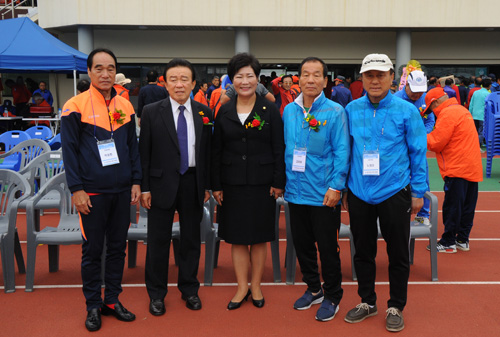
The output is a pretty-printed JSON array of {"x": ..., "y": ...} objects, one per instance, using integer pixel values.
[{"x": 142, "y": 285}]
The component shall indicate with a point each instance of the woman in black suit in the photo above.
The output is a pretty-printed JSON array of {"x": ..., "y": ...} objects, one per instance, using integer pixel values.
[{"x": 248, "y": 175}]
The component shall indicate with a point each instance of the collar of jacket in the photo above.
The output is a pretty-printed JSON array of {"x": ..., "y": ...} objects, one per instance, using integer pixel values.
[
  {"x": 444, "y": 105},
  {"x": 318, "y": 101},
  {"x": 97, "y": 93},
  {"x": 383, "y": 103}
]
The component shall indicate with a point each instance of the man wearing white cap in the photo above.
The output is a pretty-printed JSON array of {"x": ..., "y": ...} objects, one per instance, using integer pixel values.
[
  {"x": 386, "y": 182},
  {"x": 120, "y": 81},
  {"x": 414, "y": 92}
]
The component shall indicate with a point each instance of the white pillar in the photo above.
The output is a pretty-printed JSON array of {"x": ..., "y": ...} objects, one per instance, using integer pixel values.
[
  {"x": 241, "y": 40},
  {"x": 403, "y": 48},
  {"x": 85, "y": 39}
]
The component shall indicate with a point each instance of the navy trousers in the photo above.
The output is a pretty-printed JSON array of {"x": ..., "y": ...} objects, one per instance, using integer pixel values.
[
  {"x": 394, "y": 216},
  {"x": 460, "y": 198},
  {"x": 313, "y": 225},
  {"x": 109, "y": 219}
]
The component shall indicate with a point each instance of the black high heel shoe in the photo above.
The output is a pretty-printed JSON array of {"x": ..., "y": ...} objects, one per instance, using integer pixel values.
[
  {"x": 235, "y": 305},
  {"x": 259, "y": 303}
]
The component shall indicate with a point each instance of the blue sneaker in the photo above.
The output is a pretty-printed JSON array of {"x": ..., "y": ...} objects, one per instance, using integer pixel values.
[
  {"x": 308, "y": 299},
  {"x": 327, "y": 311}
]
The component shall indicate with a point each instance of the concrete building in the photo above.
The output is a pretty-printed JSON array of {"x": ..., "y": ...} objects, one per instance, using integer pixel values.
[{"x": 446, "y": 36}]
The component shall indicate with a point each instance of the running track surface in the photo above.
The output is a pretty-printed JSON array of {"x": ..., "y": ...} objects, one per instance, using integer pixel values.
[{"x": 464, "y": 302}]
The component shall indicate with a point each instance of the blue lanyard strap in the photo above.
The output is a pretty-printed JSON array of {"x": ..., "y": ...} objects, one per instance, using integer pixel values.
[
  {"x": 381, "y": 133},
  {"x": 93, "y": 114}
]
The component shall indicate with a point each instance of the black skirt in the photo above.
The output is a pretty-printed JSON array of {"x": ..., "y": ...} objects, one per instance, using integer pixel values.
[{"x": 247, "y": 215}]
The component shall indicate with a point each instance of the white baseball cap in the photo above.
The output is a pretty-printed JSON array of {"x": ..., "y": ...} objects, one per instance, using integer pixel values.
[
  {"x": 417, "y": 81},
  {"x": 379, "y": 62}
]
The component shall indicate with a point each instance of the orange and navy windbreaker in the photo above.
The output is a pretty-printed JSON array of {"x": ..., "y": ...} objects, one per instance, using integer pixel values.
[
  {"x": 84, "y": 121},
  {"x": 215, "y": 101},
  {"x": 121, "y": 90},
  {"x": 201, "y": 98},
  {"x": 454, "y": 139}
]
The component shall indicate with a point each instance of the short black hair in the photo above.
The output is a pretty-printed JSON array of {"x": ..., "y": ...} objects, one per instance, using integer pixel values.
[
  {"x": 285, "y": 76},
  {"x": 242, "y": 60},
  {"x": 314, "y": 59},
  {"x": 42, "y": 82},
  {"x": 152, "y": 76},
  {"x": 478, "y": 80},
  {"x": 448, "y": 81},
  {"x": 486, "y": 82},
  {"x": 179, "y": 63},
  {"x": 83, "y": 85},
  {"x": 90, "y": 59}
]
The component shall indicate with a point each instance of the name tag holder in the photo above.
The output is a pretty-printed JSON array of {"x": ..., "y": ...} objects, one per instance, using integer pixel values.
[
  {"x": 299, "y": 159},
  {"x": 371, "y": 163},
  {"x": 108, "y": 153}
]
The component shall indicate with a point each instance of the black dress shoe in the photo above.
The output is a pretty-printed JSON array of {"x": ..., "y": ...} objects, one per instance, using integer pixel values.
[
  {"x": 93, "y": 321},
  {"x": 259, "y": 303},
  {"x": 235, "y": 305},
  {"x": 193, "y": 302},
  {"x": 119, "y": 312},
  {"x": 157, "y": 307}
]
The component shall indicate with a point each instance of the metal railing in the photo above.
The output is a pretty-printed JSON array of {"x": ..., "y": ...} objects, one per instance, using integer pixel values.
[{"x": 11, "y": 5}]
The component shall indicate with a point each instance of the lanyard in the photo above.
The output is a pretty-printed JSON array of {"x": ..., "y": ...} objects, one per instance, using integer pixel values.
[
  {"x": 377, "y": 141},
  {"x": 93, "y": 114}
]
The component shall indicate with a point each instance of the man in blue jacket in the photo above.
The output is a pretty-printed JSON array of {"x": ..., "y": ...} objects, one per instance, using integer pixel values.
[
  {"x": 316, "y": 158},
  {"x": 414, "y": 92},
  {"x": 386, "y": 183}
]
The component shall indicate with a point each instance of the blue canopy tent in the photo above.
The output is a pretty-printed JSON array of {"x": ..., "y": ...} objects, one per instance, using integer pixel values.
[{"x": 26, "y": 47}]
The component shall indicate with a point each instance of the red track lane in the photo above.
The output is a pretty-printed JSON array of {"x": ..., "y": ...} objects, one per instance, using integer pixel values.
[{"x": 449, "y": 306}]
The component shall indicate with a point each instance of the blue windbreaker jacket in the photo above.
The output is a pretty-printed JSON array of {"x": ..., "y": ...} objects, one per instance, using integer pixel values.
[
  {"x": 396, "y": 129},
  {"x": 327, "y": 161}
]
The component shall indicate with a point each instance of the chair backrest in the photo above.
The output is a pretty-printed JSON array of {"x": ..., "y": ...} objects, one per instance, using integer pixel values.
[
  {"x": 43, "y": 168},
  {"x": 40, "y": 132},
  {"x": 25, "y": 152},
  {"x": 12, "y": 138},
  {"x": 69, "y": 215},
  {"x": 13, "y": 189},
  {"x": 55, "y": 143}
]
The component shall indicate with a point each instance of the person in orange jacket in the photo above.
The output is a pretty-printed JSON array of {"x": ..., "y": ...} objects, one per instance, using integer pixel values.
[
  {"x": 120, "y": 81},
  {"x": 454, "y": 139},
  {"x": 200, "y": 95},
  {"x": 282, "y": 86}
]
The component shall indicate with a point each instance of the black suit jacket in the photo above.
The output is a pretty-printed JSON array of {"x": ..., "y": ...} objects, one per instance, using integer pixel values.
[
  {"x": 244, "y": 155},
  {"x": 160, "y": 154}
]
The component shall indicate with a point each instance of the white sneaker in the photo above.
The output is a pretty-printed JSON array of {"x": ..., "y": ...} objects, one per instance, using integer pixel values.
[
  {"x": 463, "y": 246},
  {"x": 444, "y": 249},
  {"x": 420, "y": 220}
]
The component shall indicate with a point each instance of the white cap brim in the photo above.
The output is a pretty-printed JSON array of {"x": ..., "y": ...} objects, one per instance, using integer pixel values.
[
  {"x": 418, "y": 88},
  {"x": 378, "y": 67}
]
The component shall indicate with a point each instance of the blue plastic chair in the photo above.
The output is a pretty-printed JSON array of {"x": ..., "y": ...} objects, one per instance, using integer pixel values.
[
  {"x": 11, "y": 139},
  {"x": 55, "y": 143},
  {"x": 40, "y": 132},
  {"x": 491, "y": 130}
]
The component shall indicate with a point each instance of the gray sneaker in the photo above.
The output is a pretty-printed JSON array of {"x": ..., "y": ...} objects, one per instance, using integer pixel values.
[
  {"x": 394, "y": 321},
  {"x": 463, "y": 246},
  {"x": 359, "y": 313}
]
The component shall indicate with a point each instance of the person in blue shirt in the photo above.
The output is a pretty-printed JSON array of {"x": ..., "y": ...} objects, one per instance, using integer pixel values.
[
  {"x": 386, "y": 184},
  {"x": 317, "y": 162},
  {"x": 340, "y": 94},
  {"x": 414, "y": 92},
  {"x": 46, "y": 94}
]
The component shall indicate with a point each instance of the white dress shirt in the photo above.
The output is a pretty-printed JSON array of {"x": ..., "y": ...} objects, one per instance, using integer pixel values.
[{"x": 188, "y": 114}]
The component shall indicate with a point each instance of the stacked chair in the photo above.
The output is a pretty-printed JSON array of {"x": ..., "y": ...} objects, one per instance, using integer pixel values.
[
  {"x": 491, "y": 129},
  {"x": 13, "y": 189}
]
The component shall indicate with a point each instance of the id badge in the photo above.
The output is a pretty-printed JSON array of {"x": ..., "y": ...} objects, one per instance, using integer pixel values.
[
  {"x": 371, "y": 163},
  {"x": 107, "y": 151},
  {"x": 299, "y": 160}
]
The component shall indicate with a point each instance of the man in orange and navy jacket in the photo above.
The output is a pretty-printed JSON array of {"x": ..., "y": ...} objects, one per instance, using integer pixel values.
[
  {"x": 200, "y": 96},
  {"x": 282, "y": 86},
  {"x": 454, "y": 139},
  {"x": 103, "y": 171}
]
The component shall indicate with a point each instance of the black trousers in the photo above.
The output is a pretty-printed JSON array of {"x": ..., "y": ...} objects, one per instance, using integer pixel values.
[
  {"x": 460, "y": 198},
  {"x": 159, "y": 237},
  {"x": 321, "y": 225},
  {"x": 394, "y": 215},
  {"x": 109, "y": 218}
]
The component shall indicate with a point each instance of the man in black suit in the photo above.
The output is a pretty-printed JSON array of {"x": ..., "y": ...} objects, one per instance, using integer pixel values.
[{"x": 174, "y": 147}]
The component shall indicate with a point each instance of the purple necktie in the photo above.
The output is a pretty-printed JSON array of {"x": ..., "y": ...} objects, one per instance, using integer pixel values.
[{"x": 182, "y": 136}]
